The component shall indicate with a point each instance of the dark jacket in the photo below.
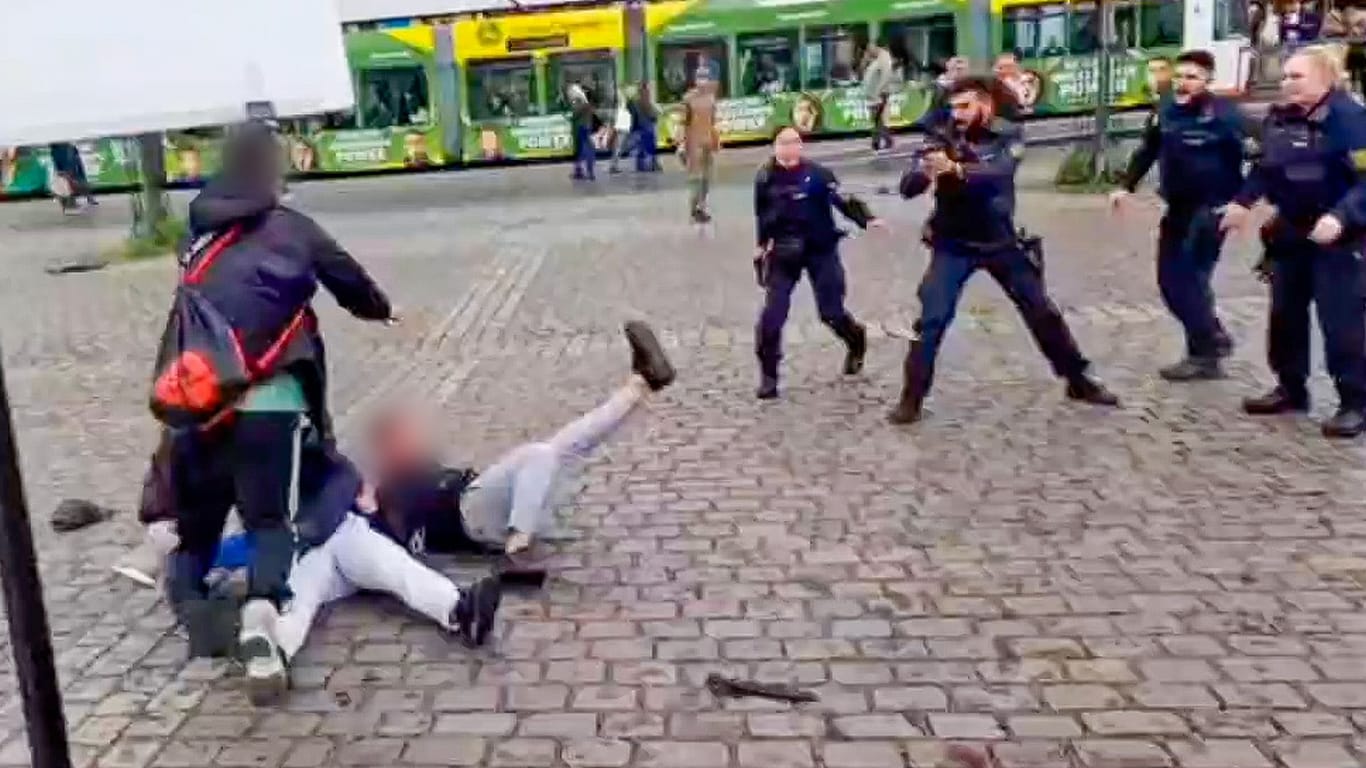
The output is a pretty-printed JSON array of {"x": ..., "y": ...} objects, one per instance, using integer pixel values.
[
  {"x": 799, "y": 202},
  {"x": 1199, "y": 148},
  {"x": 1312, "y": 163},
  {"x": 272, "y": 272},
  {"x": 978, "y": 208}
]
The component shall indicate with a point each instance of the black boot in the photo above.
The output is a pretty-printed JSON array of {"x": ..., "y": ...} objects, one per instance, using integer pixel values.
[
  {"x": 856, "y": 340},
  {"x": 1223, "y": 344},
  {"x": 1087, "y": 390},
  {"x": 1346, "y": 423},
  {"x": 1193, "y": 369},
  {"x": 768, "y": 388},
  {"x": 1277, "y": 401},
  {"x": 910, "y": 408},
  {"x": 474, "y": 614},
  {"x": 647, "y": 356}
]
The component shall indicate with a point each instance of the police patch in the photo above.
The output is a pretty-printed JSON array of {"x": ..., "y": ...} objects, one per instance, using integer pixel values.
[
  {"x": 1017, "y": 150},
  {"x": 1359, "y": 159}
]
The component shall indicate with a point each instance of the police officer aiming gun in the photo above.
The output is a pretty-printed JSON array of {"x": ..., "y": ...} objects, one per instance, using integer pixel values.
[
  {"x": 795, "y": 232},
  {"x": 972, "y": 171}
]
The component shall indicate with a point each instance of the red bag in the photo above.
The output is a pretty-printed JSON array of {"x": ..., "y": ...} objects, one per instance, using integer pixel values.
[{"x": 201, "y": 368}]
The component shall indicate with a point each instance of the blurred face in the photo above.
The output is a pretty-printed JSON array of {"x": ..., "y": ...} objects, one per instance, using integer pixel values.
[
  {"x": 1304, "y": 82},
  {"x": 970, "y": 108},
  {"x": 956, "y": 67},
  {"x": 400, "y": 441},
  {"x": 1006, "y": 68},
  {"x": 1159, "y": 76},
  {"x": 787, "y": 148},
  {"x": 804, "y": 116},
  {"x": 1190, "y": 81}
]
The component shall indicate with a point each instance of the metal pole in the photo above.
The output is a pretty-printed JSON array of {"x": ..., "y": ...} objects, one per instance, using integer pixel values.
[
  {"x": 1102, "y": 166},
  {"x": 150, "y": 209},
  {"x": 29, "y": 636}
]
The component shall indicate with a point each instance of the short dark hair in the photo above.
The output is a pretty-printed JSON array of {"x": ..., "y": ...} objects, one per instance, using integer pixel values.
[
  {"x": 972, "y": 84},
  {"x": 1201, "y": 59}
]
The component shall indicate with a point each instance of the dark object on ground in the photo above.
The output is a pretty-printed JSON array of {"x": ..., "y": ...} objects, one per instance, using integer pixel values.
[
  {"x": 518, "y": 572},
  {"x": 74, "y": 514},
  {"x": 75, "y": 267},
  {"x": 731, "y": 687},
  {"x": 212, "y": 624}
]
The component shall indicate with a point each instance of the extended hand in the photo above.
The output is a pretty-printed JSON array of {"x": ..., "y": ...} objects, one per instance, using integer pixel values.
[
  {"x": 1117, "y": 200},
  {"x": 939, "y": 163},
  {"x": 1326, "y": 230}
]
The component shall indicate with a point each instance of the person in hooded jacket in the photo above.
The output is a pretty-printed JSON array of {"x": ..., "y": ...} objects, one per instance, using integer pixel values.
[{"x": 251, "y": 458}]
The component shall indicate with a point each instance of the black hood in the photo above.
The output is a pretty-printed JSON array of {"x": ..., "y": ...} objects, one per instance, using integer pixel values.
[{"x": 223, "y": 203}]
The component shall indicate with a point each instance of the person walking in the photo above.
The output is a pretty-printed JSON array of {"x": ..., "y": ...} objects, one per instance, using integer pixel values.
[
  {"x": 701, "y": 142},
  {"x": 644, "y": 122},
  {"x": 877, "y": 91}
]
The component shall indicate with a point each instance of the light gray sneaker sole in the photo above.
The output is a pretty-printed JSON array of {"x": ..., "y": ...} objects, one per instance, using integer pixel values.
[{"x": 267, "y": 677}]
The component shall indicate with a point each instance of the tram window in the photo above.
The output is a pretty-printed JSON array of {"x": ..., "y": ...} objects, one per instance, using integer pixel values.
[
  {"x": 1161, "y": 23},
  {"x": 1052, "y": 34},
  {"x": 390, "y": 97},
  {"x": 502, "y": 89},
  {"x": 678, "y": 64},
  {"x": 1084, "y": 29},
  {"x": 1125, "y": 28},
  {"x": 1020, "y": 32},
  {"x": 834, "y": 55},
  {"x": 767, "y": 63},
  {"x": 920, "y": 48},
  {"x": 594, "y": 71},
  {"x": 1231, "y": 19},
  {"x": 340, "y": 121}
]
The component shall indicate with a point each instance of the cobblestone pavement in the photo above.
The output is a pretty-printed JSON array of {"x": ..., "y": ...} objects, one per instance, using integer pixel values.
[{"x": 1168, "y": 584}]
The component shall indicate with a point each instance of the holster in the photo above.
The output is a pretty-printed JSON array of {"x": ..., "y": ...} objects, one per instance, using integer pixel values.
[{"x": 1031, "y": 245}]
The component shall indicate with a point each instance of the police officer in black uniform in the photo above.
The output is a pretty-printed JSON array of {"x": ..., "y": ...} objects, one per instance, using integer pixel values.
[
  {"x": 795, "y": 233},
  {"x": 973, "y": 228},
  {"x": 1198, "y": 139},
  {"x": 1312, "y": 171}
]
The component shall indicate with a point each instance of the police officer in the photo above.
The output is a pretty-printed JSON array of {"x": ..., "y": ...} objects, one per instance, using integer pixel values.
[
  {"x": 973, "y": 228},
  {"x": 1198, "y": 139},
  {"x": 795, "y": 233},
  {"x": 1313, "y": 158}
]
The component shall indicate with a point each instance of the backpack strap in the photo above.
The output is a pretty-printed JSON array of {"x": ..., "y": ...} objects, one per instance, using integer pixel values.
[{"x": 195, "y": 272}]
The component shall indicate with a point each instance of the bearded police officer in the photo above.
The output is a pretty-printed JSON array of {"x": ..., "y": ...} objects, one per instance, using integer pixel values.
[
  {"x": 796, "y": 233},
  {"x": 972, "y": 228}
]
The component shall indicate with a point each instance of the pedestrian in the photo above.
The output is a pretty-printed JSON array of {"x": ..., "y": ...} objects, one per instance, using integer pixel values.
[
  {"x": 972, "y": 227},
  {"x": 1313, "y": 155},
  {"x": 937, "y": 114},
  {"x": 585, "y": 121},
  {"x": 69, "y": 179},
  {"x": 1300, "y": 26},
  {"x": 623, "y": 133},
  {"x": 1012, "y": 93},
  {"x": 701, "y": 142},
  {"x": 644, "y": 119},
  {"x": 877, "y": 91},
  {"x": 1198, "y": 140},
  {"x": 249, "y": 456},
  {"x": 796, "y": 233}
]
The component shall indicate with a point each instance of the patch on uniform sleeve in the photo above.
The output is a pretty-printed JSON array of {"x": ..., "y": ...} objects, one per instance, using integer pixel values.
[
  {"x": 1017, "y": 150},
  {"x": 1359, "y": 159}
]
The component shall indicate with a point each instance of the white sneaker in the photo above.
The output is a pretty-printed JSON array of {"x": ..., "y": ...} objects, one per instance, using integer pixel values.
[
  {"x": 146, "y": 563},
  {"x": 267, "y": 674}
]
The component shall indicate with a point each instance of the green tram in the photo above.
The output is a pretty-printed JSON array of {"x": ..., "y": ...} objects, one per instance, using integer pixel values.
[{"x": 479, "y": 87}]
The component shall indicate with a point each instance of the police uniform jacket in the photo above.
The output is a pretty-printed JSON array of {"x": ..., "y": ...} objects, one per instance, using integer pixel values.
[{"x": 977, "y": 207}]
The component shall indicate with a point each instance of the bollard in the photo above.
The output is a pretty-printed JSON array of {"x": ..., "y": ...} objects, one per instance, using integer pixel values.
[{"x": 30, "y": 639}]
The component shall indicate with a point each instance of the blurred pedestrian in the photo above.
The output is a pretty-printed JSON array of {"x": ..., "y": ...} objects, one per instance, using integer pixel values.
[
  {"x": 585, "y": 123},
  {"x": 69, "y": 177},
  {"x": 644, "y": 119},
  {"x": 877, "y": 90},
  {"x": 701, "y": 141}
]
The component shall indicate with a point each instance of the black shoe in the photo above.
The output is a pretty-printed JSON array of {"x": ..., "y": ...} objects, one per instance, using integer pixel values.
[
  {"x": 858, "y": 349},
  {"x": 212, "y": 625},
  {"x": 1223, "y": 345},
  {"x": 1275, "y": 402},
  {"x": 768, "y": 388},
  {"x": 1346, "y": 423},
  {"x": 647, "y": 356},
  {"x": 476, "y": 611},
  {"x": 1193, "y": 369},
  {"x": 700, "y": 216},
  {"x": 1088, "y": 390},
  {"x": 908, "y": 411}
]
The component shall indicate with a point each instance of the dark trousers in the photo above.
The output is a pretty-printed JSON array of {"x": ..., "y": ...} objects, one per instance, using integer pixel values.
[
  {"x": 1188, "y": 248},
  {"x": 1331, "y": 278},
  {"x": 585, "y": 155},
  {"x": 949, "y": 270},
  {"x": 252, "y": 462},
  {"x": 882, "y": 133},
  {"x": 647, "y": 146},
  {"x": 826, "y": 273}
]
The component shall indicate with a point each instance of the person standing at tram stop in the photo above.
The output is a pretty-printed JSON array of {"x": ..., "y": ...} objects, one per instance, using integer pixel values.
[
  {"x": 252, "y": 459},
  {"x": 584, "y": 119},
  {"x": 972, "y": 227},
  {"x": 878, "y": 80},
  {"x": 1311, "y": 171},
  {"x": 1198, "y": 139},
  {"x": 795, "y": 232}
]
